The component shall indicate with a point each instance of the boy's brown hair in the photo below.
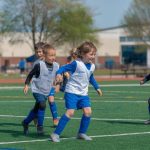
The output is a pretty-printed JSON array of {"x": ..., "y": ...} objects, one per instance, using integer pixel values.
[{"x": 39, "y": 45}]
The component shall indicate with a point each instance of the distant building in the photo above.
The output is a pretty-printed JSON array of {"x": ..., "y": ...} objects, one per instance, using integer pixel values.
[{"x": 115, "y": 45}]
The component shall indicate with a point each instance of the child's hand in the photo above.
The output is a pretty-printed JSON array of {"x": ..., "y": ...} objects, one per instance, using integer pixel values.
[
  {"x": 59, "y": 79},
  {"x": 99, "y": 91},
  {"x": 67, "y": 75},
  {"x": 26, "y": 88}
]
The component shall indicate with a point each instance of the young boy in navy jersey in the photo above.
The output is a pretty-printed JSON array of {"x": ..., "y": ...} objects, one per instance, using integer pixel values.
[
  {"x": 39, "y": 52},
  {"x": 76, "y": 90},
  {"x": 42, "y": 75}
]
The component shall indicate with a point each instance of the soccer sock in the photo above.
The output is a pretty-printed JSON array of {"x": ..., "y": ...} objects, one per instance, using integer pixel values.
[
  {"x": 61, "y": 125},
  {"x": 85, "y": 121},
  {"x": 30, "y": 117},
  {"x": 40, "y": 115},
  {"x": 53, "y": 108}
]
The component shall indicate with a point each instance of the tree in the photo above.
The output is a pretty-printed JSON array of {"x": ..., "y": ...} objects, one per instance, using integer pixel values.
[
  {"x": 74, "y": 22},
  {"x": 52, "y": 21},
  {"x": 137, "y": 20}
]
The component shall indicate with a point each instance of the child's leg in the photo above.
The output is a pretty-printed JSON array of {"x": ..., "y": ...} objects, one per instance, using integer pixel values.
[
  {"x": 40, "y": 115},
  {"x": 71, "y": 104},
  {"x": 36, "y": 107},
  {"x": 61, "y": 125},
  {"x": 53, "y": 107},
  {"x": 29, "y": 118},
  {"x": 41, "y": 112},
  {"x": 63, "y": 121},
  {"x": 85, "y": 121},
  {"x": 32, "y": 114}
]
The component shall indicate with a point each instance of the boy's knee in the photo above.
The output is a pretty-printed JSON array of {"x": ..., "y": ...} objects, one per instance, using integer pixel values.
[
  {"x": 51, "y": 99},
  {"x": 70, "y": 113},
  {"x": 42, "y": 105},
  {"x": 87, "y": 112},
  {"x": 36, "y": 107}
]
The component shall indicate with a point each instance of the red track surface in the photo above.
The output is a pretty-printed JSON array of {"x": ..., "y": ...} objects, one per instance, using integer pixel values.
[{"x": 98, "y": 78}]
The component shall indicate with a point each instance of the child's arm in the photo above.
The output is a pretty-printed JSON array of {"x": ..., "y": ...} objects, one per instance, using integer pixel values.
[
  {"x": 145, "y": 79},
  {"x": 26, "y": 88},
  {"x": 65, "y": 68},
  {"x": 35, "y": 71},
  {"x": 95, "y": 85}
]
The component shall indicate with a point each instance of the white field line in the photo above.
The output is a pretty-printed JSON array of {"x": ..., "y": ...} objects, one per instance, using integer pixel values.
[
  {"x": 92, "y": 101},
  {"x": 75, "y": 118},
  {"x": 11, "y": 87},
  {"x": 94, "y": 136},
  {"x": 102, "y": 85},
  {"x": 91, "y": 91}
]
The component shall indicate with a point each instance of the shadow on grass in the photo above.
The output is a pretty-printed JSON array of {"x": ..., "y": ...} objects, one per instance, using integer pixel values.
[
  {"x": 15, "y": 132},
  {"x": 32, "y": 134},
  {"x": 19, "y": 124},
  {"x": 125, "y": 122}
]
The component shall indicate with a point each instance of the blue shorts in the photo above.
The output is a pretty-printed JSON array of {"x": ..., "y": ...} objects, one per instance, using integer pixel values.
[
  {"x": 73, "y": 101},
  {"x": 52, "y": 92},
  {"x": 39, "y": 97}
]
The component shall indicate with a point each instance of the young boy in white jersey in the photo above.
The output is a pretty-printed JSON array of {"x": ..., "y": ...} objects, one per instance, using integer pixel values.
[
  {"x": 52, "y": 105},
  {"x": 44, "y": 74},
  {"x": 76, "y": 90}
]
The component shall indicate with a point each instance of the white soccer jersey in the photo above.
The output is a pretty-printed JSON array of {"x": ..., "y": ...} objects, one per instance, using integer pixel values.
[{"x": 79, "y": 80}]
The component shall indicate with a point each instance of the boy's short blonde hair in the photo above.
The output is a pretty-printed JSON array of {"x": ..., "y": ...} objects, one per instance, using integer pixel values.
[{"x": 47, "y": 47}]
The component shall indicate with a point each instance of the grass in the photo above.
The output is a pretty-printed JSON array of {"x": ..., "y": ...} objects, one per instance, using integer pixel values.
[{"x": 122, "y": 109}]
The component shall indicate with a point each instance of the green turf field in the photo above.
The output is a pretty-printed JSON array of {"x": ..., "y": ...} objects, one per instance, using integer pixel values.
[{"x": 117, "y": 122}]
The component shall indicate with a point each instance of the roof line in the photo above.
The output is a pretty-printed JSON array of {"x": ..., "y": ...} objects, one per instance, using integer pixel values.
[{"x": 110, "y": 28}]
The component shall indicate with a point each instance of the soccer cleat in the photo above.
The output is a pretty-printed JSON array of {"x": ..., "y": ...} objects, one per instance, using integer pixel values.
[
  {"x": 35, "y": 121},
  {"x": 55, "y": 137},
  {"x": 83, "y": 137},
  {"x": 25, "y": 128},
  {"x": 40, "y": 130},
  {"x": 55, "y": 122},
  {"x": 147, "y": 122}
]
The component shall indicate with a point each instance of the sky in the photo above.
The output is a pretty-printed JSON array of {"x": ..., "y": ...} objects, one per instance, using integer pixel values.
[{"x": 107, "y": 13}]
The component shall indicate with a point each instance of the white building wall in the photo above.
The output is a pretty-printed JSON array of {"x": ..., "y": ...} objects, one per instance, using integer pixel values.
[
  {"x": 109, "y": 45},
  {"x": 19, "y": 49},
  {"x": 25, "y": 49}
]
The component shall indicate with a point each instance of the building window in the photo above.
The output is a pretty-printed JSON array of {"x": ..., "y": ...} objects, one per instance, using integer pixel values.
[{"x": 133, "y": 54}]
